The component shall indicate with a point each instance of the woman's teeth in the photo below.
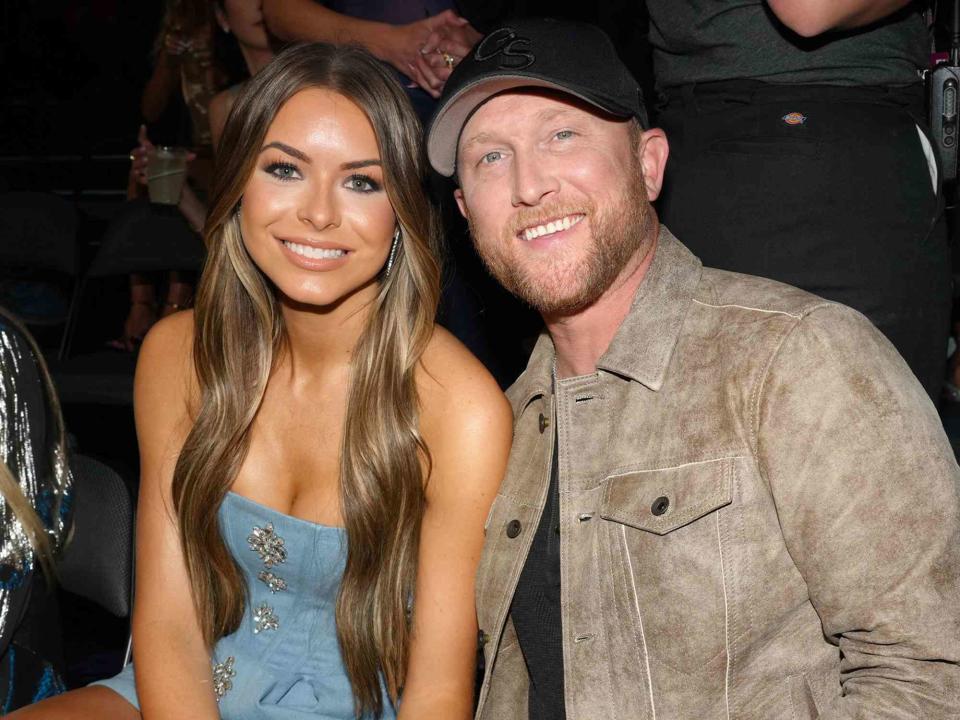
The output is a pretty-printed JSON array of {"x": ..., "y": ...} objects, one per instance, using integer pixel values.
[
  {"x": 550, "y": 228},
  {"x": 314, "y": 253}
]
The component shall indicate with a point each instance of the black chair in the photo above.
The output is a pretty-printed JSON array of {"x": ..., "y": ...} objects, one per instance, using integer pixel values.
[
  {"x": 142, "y": 238},
  {"x": 38, "y": 236},
  {"x": 97, "y": 562}
]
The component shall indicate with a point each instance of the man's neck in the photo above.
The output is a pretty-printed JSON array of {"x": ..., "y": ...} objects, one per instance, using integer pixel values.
[{"x": 582, "y": 338}]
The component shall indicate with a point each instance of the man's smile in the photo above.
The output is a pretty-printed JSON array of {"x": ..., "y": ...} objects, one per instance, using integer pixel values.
[{"x": 549, "y": 228}]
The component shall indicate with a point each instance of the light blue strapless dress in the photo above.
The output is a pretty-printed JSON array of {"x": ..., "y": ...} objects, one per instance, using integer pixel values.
[{"x": 284, "y": 661}]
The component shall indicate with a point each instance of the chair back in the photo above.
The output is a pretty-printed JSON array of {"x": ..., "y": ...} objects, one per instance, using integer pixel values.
[
  {"x": 144, "y": 238},
  {"x": 98, "y": 561}
]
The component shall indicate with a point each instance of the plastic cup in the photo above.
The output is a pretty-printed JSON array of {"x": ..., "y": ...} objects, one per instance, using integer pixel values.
[{"x": 166, "y": 171}]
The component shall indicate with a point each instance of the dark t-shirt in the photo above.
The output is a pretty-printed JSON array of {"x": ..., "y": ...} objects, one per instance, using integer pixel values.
[
  {"x": 710, "y": 40},
  {"x": 394, "y": 12},
  {"x": 536, "y": 611}
]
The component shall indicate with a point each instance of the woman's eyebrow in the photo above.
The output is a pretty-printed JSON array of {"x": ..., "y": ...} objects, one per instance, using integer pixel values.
[
  {"x": 357, "y": 164},
  {"x": 288, "y": 149}
]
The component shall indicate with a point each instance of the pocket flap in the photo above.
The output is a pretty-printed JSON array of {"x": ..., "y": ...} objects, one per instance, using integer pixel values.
[{"x": 660, "y": 501}]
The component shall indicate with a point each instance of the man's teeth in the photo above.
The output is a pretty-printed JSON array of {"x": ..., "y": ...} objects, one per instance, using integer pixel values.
[
  {"x": 313, "y": 253},
  {"x": 552, "y": 227}
]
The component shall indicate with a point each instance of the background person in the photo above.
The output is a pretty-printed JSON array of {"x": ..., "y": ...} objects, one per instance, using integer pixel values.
[
  {"x": 35, "y": 497},
  {"x": 243, "y": 21},
  {"x": 811, "y": 117},
  {"x": 397, "y": 33}
]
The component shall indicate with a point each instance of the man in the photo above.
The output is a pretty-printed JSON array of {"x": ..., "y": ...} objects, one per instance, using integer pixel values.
[{"x": 751, "y": 510}]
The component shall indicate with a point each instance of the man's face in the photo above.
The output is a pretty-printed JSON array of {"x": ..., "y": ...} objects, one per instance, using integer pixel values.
[{"x": 555, "y": 197}]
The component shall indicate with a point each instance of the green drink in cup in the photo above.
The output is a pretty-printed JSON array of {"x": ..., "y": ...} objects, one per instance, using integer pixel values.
[{"x": 166, "y": 171}]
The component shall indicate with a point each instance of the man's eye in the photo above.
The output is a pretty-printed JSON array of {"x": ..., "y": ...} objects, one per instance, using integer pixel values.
[
  {"x": 491, "y": 157},
  {"x": 283, "y": 170},
  {"x": 565, "y": 134}
]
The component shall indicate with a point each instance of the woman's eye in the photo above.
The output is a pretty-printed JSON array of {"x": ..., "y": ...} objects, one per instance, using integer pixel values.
[
  {"x": 564, "y": 135},
  {"x": 283, "y": 170},
  {"x": 491, "y": 157},
  {"x": 362, "y": 183}
]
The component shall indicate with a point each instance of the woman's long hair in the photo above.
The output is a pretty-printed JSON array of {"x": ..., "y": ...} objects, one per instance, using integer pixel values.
[
  {"x": 42, "y": 540},
  {"x": 239, "y": 333}
]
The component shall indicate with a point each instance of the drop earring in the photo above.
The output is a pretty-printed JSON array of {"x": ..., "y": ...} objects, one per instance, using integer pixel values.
[{"x": 393, "y": 251}]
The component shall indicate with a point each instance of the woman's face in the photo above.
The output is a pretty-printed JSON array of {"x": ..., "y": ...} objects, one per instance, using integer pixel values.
[
  {"x": 315, "y": 216},
  {"x": 244, "y": 18}
]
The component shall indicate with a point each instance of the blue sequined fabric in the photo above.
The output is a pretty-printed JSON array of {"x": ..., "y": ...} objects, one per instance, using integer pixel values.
[
  {"x": 29, "y": 449},
  {"x": 284, "y": 661}
]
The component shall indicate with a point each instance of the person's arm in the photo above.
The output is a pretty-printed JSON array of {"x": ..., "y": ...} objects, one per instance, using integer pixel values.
[
  {"x": 163, "y": 82},
  {"x": 190, "y": 206},
  {"x": 171, "y": 660},
  {"x": 398, "y": 45},
  {"x": 812, "y": 17},
  {"x": 217, "y": 113},
  {"x": 868, "y": 496},
  {"x": 467, "y": 425}
]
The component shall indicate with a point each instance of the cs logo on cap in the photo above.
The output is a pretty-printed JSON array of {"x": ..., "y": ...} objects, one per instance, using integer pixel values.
[{"x": 514, "y": 51}]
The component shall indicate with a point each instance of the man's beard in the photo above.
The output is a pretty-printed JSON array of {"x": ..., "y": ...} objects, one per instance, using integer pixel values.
[{"x": 557, "y": 287}]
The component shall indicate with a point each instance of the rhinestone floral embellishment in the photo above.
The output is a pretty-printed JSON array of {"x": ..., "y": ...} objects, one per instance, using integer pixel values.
[
  {"x": 268, "y": 545},
  {"x": 274, "y": 582},
  {"x": 264, "y": 619},
  {"x": 223, "y": 674}
]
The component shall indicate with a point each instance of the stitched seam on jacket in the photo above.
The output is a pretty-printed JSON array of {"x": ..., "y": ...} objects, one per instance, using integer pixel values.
[
  {"x": 726, "y": 619},
  {"x": 643, "y": 637},
  {"x": 757, "y": 392},
  {"x": 606, "y": 666},
  {"x": 626, "y": 565},
  {"x": 748, "y": 307}
]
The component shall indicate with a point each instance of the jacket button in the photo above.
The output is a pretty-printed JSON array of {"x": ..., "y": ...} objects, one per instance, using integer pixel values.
[
  {"x": 660, "y": 505},
  {"x": 482, "y": 639},
  {"x": 513, "y": 528},
  {"x": 544, "y": 423}
]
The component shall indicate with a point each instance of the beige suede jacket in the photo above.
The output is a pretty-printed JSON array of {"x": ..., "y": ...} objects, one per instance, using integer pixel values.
[{"x": 759, "y": 511}]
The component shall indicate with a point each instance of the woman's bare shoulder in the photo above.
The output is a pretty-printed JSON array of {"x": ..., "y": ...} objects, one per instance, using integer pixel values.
[
  {"x": 463, "y": 408},
  {"x": 450, "y": 375},
  {"x": 165, "y": 377}
]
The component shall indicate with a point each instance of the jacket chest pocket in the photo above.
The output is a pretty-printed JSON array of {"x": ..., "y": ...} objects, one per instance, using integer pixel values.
[{"x": 666, "y": 530}]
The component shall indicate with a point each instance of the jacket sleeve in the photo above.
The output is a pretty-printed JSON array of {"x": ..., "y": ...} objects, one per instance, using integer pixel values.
[{"x": 868, "y": 495}]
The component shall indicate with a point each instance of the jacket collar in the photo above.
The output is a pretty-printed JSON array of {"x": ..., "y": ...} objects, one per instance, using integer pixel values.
[
  {"x": 642, "y": 348},
  {"x": 644, "y": 343}
]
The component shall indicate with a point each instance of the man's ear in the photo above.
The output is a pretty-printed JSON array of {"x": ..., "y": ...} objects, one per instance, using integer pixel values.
[
  {"x": 653, "y": 150},
  {"x": 458, "y": 195}
]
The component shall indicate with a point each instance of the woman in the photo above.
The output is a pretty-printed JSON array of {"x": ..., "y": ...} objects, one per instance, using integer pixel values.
[
  {"x": 318, "y": 458},
  {"x": 35, "y": 488},
  {"x": 243, "y": 21}
]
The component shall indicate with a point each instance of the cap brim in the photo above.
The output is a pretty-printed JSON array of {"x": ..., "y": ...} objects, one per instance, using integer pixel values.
[{"x": 447, "y": 124}]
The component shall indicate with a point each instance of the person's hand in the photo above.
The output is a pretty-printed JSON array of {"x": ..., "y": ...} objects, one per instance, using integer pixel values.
[
  {"x": 402, "y": 44},
  {"x": 444, "y": 48},
  {"x": 139, "y": 157}
]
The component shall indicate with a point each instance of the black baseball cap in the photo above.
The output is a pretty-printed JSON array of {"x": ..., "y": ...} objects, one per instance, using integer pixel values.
[{"x": 575, "y": 58}]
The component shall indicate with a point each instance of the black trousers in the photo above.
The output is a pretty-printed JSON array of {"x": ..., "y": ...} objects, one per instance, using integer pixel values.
[{"x": 824, "y": 188}]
